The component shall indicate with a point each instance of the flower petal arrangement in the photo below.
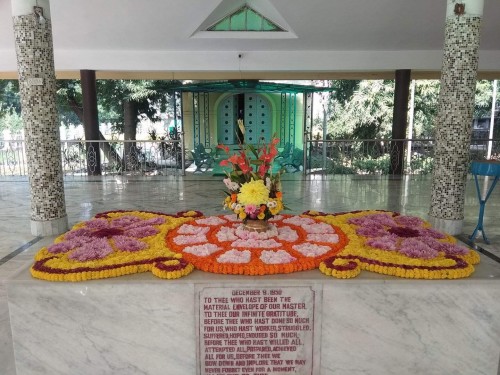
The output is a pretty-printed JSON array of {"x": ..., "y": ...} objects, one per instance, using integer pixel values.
[
  {"x": 341, "y": 245},
  {"x": 113, "y": 244},
  {"x": 283, "y": 248},
  {"x": 396, "y": 245}
]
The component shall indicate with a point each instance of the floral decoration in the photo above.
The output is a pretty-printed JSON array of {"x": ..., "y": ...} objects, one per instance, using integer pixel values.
[
  {"x": 226, "y": 247},
  {"x": 253, "y": 191},
  {"x": 113, "y": 244},
  {"x": 343, "y": 244},
  {"x": 392, "y": 244}
]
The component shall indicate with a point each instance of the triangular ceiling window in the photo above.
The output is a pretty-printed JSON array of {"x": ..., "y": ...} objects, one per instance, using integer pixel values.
[{"x": 245, "y": 19}]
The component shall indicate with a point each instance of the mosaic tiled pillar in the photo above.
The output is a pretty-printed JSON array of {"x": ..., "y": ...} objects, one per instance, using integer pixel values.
[
  {"x": 454, "y": 120},
  {"x": 37, "y": 86}
]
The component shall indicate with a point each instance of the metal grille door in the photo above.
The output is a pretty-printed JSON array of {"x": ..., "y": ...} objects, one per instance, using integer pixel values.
[
  {"x": 227, "y": 120},
  {"x": 258, "y": 123}
]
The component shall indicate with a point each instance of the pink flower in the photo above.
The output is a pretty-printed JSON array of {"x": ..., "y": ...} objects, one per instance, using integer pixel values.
[
  {"x": 384, "y": 242},
  {"x": 202, "y": 250},
  {"x": 251, "y": 209},
  {"x": 405, "y": 234},
  {"x": 95, "y": 239},
  {"x": 414, "y": 248}
]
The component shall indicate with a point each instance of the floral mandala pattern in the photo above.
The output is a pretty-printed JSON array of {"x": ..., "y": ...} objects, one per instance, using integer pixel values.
[
  {"x": 219, "y": 244},
  {"x": 117, "y": 243}
]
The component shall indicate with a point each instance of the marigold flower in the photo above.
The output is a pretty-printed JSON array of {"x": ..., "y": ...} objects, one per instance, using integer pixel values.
[{"x": 253, "y": 192}]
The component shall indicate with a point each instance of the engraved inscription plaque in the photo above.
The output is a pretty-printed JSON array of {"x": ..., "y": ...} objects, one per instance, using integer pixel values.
[
  {"x": 258, "y": 330},
  {"x": 35, "y": 81}
]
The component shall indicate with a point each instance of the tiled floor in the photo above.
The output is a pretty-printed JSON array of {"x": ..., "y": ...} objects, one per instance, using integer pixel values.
[{"x": 86, "y": 196}]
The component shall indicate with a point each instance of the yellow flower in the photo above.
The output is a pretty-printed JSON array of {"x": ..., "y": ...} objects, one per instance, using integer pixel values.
[
  {"x": 253, "y": 192},
  {"x": 242, "y": 215},
  {"x": 261, "y": 216}
]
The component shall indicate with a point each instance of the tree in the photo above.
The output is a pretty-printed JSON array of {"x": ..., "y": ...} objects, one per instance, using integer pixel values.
[
  {"x": 364, "y": 111},
  {"x": 125, "y": 101}
]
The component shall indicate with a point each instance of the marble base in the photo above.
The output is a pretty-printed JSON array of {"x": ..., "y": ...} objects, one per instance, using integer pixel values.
[
  {"x": 452, "y": 227},
  {"x": 142, "y": 325},
  {"x": 49, "y": 227},
  {"x": 7, "y": 363}
]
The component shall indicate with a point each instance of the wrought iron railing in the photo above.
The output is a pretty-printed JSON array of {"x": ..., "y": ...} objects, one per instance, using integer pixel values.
[
  {"x": 383, "y": 156},
  {"x": 168, "y": 157}
]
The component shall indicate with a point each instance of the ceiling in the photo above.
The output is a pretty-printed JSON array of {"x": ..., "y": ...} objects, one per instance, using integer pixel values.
[{"x": 158, "y": 38}]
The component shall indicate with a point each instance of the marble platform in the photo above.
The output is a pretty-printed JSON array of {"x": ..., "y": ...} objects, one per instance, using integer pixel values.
[
  {"x": 372, "y": 324},
  {"x": 87, "y": 196}
]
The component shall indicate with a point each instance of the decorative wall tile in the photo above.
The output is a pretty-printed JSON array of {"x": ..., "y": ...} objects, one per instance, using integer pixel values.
[
  {"x": 37, "y": 86},
  {"x": 454, "y": 120}
]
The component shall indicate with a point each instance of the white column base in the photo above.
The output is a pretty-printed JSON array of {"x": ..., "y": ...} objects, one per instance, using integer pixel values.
[
  {"x": 49, "y": 227},
  {"x": 452, "y": 227}
]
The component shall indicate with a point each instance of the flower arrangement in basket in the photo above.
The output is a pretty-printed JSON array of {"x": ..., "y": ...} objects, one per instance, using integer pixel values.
[{"x": 254, "y": 192}]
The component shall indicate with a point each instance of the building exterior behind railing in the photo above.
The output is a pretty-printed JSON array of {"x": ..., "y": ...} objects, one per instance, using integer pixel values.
[{"x": 168, "y": 157}]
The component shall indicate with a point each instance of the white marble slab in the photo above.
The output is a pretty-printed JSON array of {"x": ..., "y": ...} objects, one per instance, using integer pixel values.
[
  {"x": 7, "y": 362},
  {"x": 100, "y": 328},
  {"x": 143, "y": 325},
  {"x": 412, "y": 328}
]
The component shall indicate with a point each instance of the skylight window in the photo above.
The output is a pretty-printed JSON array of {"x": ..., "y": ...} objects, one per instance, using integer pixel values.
[{"x": 245, "y": 19}]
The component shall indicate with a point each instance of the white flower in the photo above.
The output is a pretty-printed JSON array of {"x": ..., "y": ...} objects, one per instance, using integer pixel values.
[
  {"x": 235, "y": 256},
  {"x": 272, "y": 204},
  {"x": 231, "y": 185},
  {"x": 202, "y": 250},
  {"x": 268, "y": 183},
  {"x": 310, "y": 249},
  {"x": 276, "y": 257}
]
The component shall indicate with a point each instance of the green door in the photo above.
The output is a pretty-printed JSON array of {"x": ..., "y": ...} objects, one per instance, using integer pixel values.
[{"x": 258, "y": 125}]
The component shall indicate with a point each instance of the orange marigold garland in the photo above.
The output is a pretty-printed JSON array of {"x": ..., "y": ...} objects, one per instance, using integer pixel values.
[{"x": 214, "y": 246}]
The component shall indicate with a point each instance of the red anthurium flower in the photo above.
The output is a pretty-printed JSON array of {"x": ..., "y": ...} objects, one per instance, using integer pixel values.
[
  {"x": 263, "y": 168},
  {"x": 273, "y": 151},
  {"x": 223, "y": 147},
  {"x": 224, "y": 163},
  {"x": 235, "y": 159},
  {"x": 245, "y": 168}
]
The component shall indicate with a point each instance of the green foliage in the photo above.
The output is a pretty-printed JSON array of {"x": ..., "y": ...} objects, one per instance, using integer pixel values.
[
  {"x": 371, "y": 165},
  {"x": 421, "y": 165},
  {"x": 366, "y": 113},
  {"x": 68, "y": 100},
  {"x": 364, "y": 109},
  {"x": 483, "y": 99},
  {"x": 425, "y": 108},
  {"x": 151, "y": 99},
  {"x": 9, "y": 97},
  {"x": 12, "y": 121}
]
